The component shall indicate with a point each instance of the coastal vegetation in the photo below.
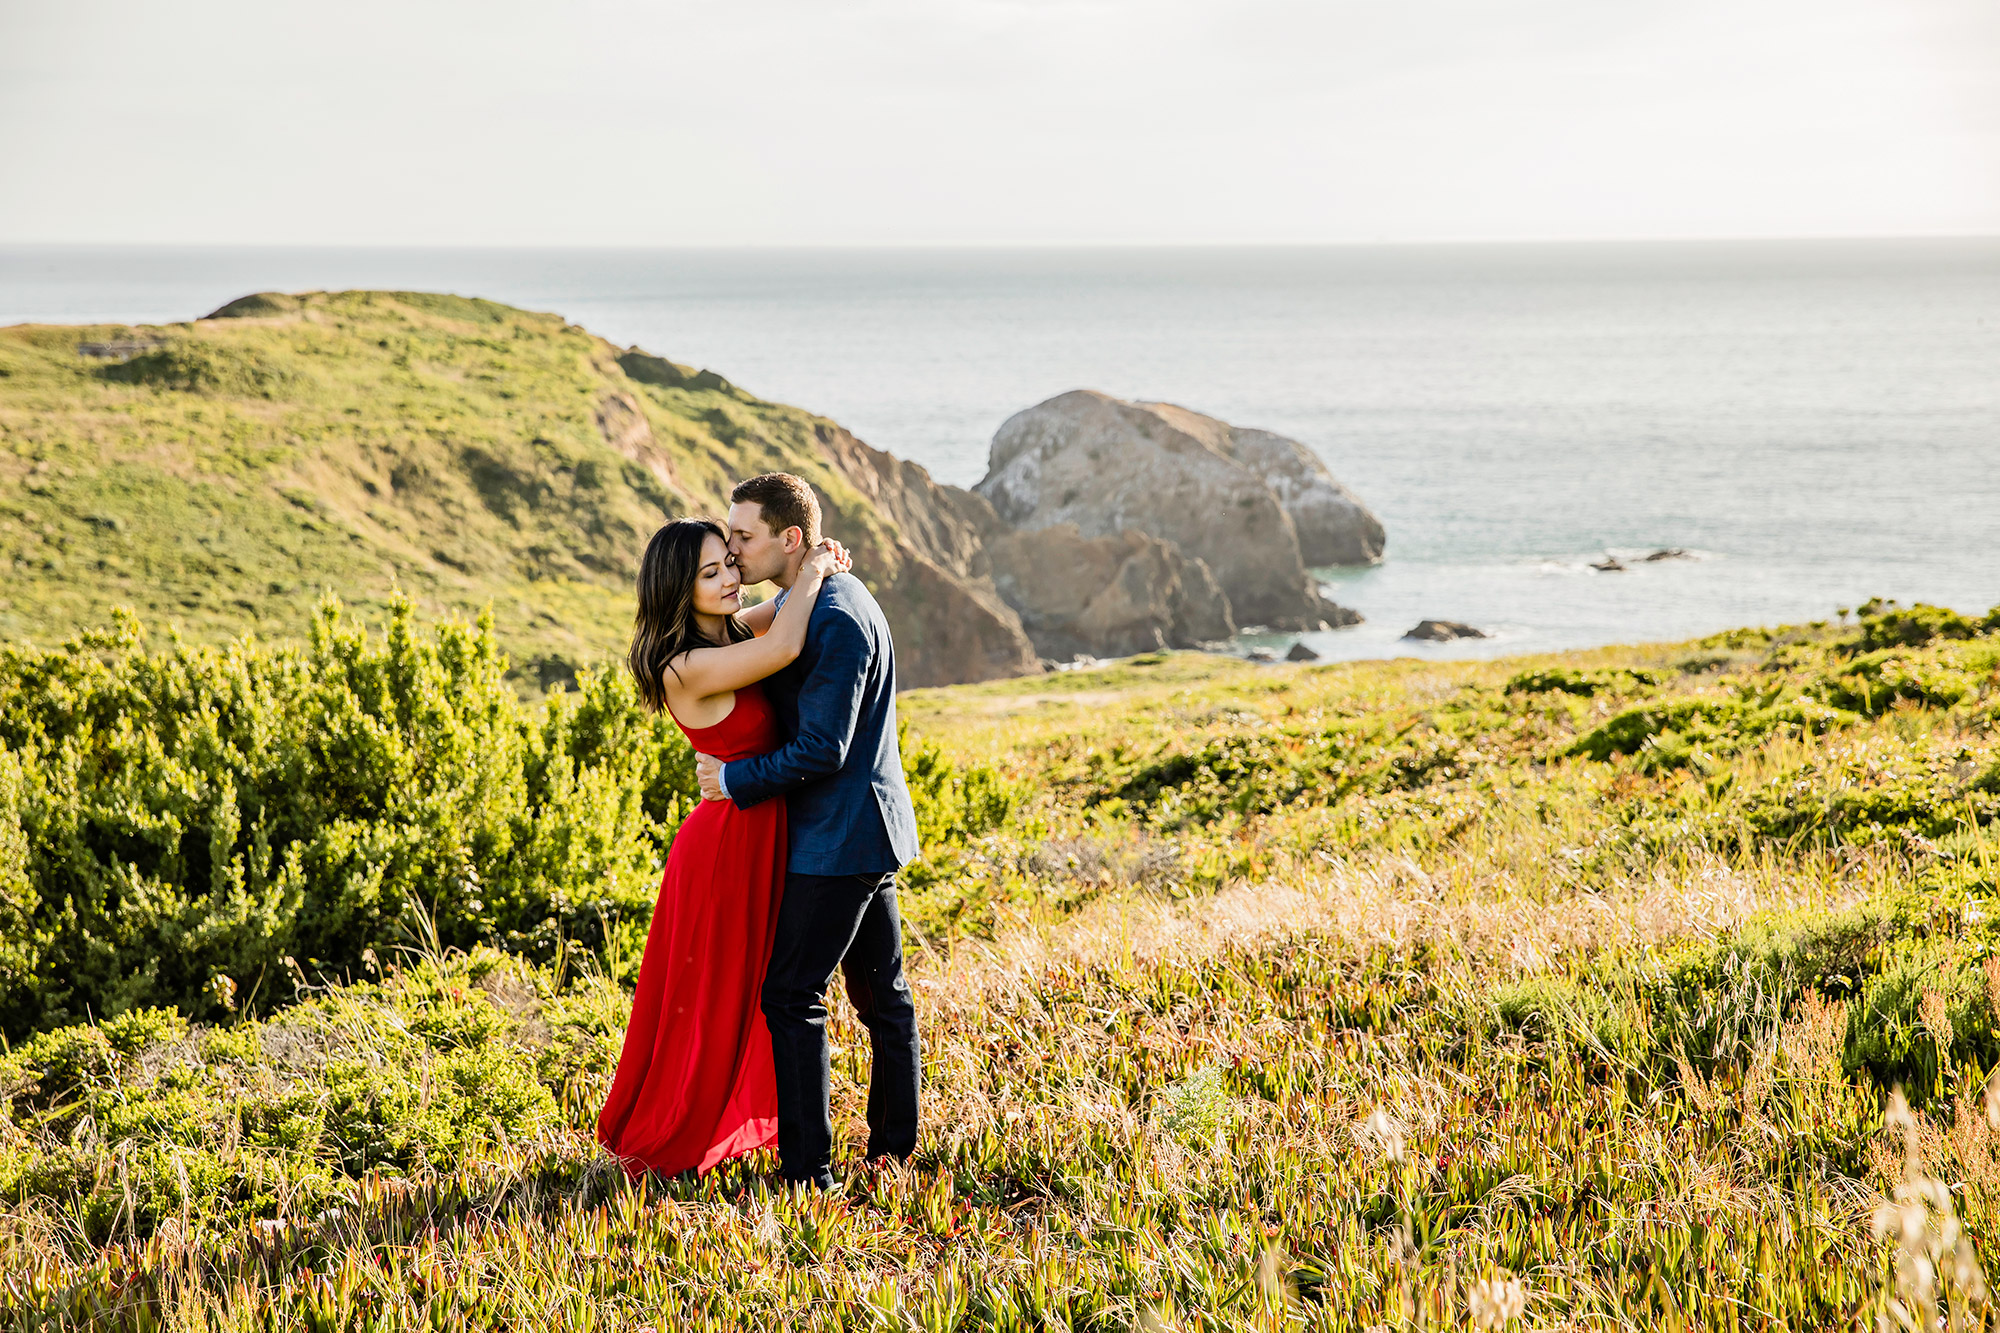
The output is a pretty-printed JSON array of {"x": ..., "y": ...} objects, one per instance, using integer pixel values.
[
  {"x": 222, "y": 475},
  {"x": 1635, "y": 987}
]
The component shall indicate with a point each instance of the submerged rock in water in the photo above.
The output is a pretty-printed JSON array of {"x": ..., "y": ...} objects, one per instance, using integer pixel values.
[
  {"x": 1670, "y": 553},
  {"x": 1261, "y": 655},
  {"x": 1610, "y": 564},
  {"x": 1444, "y": 631},
  {"x": 1300, "y": 653},
  {"x": 1255, "y": 508}
]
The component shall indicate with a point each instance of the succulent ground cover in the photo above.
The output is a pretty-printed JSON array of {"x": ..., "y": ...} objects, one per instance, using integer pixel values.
[{"x": 1642, "y": 987}]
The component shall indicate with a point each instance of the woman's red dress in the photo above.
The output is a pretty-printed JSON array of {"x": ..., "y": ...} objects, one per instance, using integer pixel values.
[{"x": 694, "y": 1083}]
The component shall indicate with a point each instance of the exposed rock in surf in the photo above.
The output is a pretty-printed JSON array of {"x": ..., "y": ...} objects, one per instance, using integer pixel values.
[
  {"x": 1248, "y": 504},
  {"x": 1444, "y": 631}
]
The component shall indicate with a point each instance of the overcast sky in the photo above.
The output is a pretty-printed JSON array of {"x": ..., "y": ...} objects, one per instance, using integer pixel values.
[{"x": 803, "y": 122}]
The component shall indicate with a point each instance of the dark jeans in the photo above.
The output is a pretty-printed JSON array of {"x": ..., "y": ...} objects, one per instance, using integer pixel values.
[{"x": 849, "y": 922}]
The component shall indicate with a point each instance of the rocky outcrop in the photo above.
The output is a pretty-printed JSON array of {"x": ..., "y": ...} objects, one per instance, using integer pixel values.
[
  {"x": 948, "y": 630},
  {"x": 1106, "y": 596},
  {"x": 1334, "y": 527},
  {"x": 947, "y": 524},
  {"x": 1106, "y": 466},
  {"x": 979, "y": 585},
  {"x": 1444, "y": 631},
  {"x": 920, "y": 546},
  {"x": 657, "y": 370},
  {"x": 623, "y": 424}
]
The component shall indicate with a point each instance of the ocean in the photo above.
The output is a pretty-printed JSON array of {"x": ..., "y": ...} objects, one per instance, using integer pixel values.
[{"x": 1815, "y": 422}]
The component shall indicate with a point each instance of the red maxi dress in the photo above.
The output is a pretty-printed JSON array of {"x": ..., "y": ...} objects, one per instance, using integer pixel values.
[{"x": 694, "y": 1083}]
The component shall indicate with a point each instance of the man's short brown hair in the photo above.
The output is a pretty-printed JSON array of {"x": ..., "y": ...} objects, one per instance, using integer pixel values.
[{"x": 785, "y": 502}]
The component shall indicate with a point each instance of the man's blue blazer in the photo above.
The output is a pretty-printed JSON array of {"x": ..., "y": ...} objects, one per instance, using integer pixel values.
[{"x": 841, "y": 774}]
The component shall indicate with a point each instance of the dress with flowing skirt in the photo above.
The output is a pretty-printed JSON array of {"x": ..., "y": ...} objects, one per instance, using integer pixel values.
[{"x": 694, "y": 1083}]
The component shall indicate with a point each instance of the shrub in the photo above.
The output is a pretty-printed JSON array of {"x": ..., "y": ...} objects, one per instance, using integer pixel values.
[
  {"x": 1586, "y": 683},
  {"x": 1885, "y": 625},
  {"x": 61, "y": 1059},
  {"x": 269, "y": 1117},
  {"x": 203, "y": 828},
  {"x": 953, "y": 805},
  {"x": 1874, "y": 683},
  {"x": 1555, "y": 1008},
  {"x": 203, "y": 365},
  {"x": 189, "y": 826},
  {"x": 136, "y": 1029},
  {"x": 1859, "y": 793},
  {"x": 1925, "y": 1007},
  {"x": 1671, "y": 734}
]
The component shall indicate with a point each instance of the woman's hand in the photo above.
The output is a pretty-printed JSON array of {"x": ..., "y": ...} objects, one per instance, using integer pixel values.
[{"x": 828, "y": 558}]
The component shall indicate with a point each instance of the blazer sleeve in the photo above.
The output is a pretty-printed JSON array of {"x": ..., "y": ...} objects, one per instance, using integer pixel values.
[{"x": 829, "y": 711}]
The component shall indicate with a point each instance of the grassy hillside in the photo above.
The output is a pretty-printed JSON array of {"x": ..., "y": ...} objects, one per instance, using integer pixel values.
[
  {"x": 1563, "y": 992},
  {"x": 223, "y": 474}
]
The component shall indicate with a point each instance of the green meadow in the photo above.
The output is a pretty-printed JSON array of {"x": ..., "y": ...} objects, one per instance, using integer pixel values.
[{"x": 1640, "y": 988}]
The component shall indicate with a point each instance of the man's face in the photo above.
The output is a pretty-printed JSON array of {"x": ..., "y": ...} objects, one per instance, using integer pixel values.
[{"x": 760, "y": 554}]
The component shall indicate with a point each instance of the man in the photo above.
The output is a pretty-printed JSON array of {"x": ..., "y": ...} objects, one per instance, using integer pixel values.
[{"x": 852, "y": 828}]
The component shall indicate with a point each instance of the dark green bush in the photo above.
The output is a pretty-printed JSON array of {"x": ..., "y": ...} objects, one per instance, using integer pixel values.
[
  {"x": 201, "y": 827},
  {"x": 207, "y": 829},
  {"x": 1586, "y": 683},
  {"x": 1885, "y": 625},
  {"x": 1670, "y": 734}
]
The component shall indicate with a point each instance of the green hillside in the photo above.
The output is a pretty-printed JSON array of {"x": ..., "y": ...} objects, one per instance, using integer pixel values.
[
  {"x": 221, "y": 474},
  {"x": 1608, "y": 990}
]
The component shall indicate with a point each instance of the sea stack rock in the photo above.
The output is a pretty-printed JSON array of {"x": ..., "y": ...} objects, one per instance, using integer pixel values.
[
  {"x": 1247, "y": 504},
  {"x": 1334, "y": 527},
  {"x": 1106, "y": 596}
]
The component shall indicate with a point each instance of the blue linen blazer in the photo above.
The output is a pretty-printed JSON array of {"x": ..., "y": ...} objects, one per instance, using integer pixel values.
[{"x": 841, "y": 772}]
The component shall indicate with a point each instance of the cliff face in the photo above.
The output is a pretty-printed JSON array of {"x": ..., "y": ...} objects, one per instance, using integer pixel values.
[
  {"x": 951, "y": 624},
  {"x": 223, "y": 473},
  {"x": 1107, "y": 596}
]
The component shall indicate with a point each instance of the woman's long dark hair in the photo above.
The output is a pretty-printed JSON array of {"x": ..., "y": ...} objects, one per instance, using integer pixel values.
[{"x": 665, "y": 626}]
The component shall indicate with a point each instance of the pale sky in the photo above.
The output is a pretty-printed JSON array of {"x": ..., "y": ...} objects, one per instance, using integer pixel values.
[{"x": 890, "y": 122}]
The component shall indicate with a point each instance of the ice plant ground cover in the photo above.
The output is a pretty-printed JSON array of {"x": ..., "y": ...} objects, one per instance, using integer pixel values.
[{"x": 1564, "y": 992}]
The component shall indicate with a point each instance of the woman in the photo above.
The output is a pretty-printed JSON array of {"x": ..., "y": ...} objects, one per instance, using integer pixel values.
[{"x": 694, "y": 1083}]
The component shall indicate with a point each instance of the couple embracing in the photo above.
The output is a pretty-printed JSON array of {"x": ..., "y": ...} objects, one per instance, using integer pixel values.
[{"x": 786, "y": 869}]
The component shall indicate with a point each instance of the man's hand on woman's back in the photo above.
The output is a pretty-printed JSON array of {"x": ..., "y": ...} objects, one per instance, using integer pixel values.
[{"x": 708, "y": 772}]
